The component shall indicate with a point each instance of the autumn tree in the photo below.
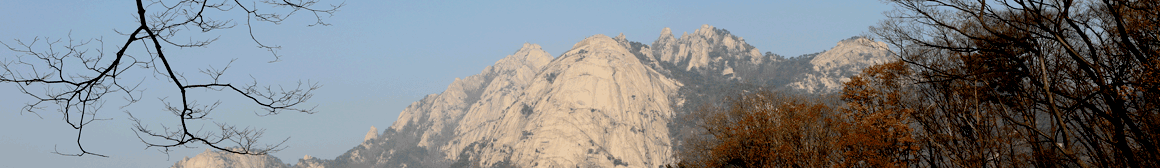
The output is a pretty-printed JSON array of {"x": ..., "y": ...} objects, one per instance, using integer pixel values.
[
  {"x": 870, "y": 126},
  {"x": 1047, "y": 83},
  {"x": 877, "y": 116},
  {"x": 78, "y": 77},
  {"x": 765, "y": 129}
]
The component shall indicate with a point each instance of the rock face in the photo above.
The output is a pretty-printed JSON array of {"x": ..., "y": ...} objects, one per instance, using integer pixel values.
[
  {"x": 836, "y": 65},
  {"x": 707, "y": 48},
  {"x": 372, "y": 134},
  {"x": 220, "y": 159},
  {"x": 607, "y": 102},
  {"x": 596, "y": 105}
]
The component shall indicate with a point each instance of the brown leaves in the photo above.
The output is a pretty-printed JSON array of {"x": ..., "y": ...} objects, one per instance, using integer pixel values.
[
  {"x": 768, "y": 129},
  {"x": 877, "y": 118}
]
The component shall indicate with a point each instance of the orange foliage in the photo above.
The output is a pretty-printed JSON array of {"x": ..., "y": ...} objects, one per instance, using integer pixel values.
[
  {"x": 767, "y": 129},
  {"x": 877, "y": 118}
]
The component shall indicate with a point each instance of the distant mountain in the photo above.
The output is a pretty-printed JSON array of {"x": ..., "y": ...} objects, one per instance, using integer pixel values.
[
  {"x": 607, "y": 102},
  {"x": 831, "y": 68},
  {"x": 220, "y": 159}
]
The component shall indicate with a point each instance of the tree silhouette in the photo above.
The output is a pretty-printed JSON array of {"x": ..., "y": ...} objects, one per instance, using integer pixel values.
[{"x": 78, "y": 80}]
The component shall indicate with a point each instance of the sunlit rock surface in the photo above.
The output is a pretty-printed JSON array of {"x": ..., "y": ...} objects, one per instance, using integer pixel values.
[
  {"x": 704, "y": 47},
  {"x": 836, "y": 65},
  {"x": 221, "y": 159},
  {"x": 596, "y": 105},
  {"x": 372, "y": 134}
]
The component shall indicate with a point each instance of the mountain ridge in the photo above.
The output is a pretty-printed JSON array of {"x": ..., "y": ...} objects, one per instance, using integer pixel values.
[{"x": 607, "y": 102}]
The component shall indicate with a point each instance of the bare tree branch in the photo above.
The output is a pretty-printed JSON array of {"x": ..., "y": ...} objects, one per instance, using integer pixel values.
[{"x": 77, "y": 79}]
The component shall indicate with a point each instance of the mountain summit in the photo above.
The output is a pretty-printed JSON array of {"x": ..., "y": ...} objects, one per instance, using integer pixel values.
[
  {"x": 607, "y": 102},
  {"x": 834, "y": 66}
]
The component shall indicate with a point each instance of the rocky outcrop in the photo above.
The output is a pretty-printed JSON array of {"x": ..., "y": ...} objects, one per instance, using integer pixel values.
[
  {"x": 221, "y": 159},
  {"x": 835, "y": 66},
  {"x": 708, "y": 48},
  {"x": 372, "y": 134},
  {"x": 595, "y": 106},
  {"x": 421, "y": 135}
]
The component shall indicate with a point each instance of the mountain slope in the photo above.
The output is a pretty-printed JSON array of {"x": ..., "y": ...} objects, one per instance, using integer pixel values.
[
  {"x": 590, "y": 106},
  {"x": 834, "y": 66}
]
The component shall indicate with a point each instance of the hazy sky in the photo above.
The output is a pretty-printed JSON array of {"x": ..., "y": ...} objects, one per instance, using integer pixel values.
[{"x": 376, "y": 58}]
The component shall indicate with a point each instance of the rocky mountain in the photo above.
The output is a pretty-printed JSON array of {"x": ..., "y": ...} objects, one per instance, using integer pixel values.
[
  {"x": 834, "y": 66},
  {"x": 607, "y": 102},
  {"x": 220, "y": 159}
]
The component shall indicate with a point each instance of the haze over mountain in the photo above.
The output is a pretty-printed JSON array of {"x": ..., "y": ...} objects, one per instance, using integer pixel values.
[{"x": 607, "y": 102}]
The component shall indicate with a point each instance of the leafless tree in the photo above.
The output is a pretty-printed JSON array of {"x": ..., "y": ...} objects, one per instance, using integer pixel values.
[
  {"x": 78, "y": 79},
  {"x": 1017, "y": 83}
]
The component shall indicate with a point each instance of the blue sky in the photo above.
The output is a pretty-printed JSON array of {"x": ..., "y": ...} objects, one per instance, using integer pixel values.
[{"x": 376, "y": 58}]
